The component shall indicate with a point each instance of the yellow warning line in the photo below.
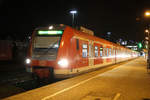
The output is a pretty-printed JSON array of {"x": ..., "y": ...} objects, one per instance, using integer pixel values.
[
  {"x": 116, "y": 96},
  {"x": 66, "y": 89}
]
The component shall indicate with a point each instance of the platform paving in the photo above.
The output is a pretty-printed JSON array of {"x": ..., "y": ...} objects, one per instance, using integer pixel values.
[{"x": 126, "y": 81}]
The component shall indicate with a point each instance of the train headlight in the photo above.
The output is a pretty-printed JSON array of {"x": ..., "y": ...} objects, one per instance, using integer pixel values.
[
  {"x": 28, "y": 61},
  {"x": 63, "y": 62}
]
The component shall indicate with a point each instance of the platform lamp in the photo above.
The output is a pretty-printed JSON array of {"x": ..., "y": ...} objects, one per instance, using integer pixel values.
[
  {"x": 73, "y": 12},
  {"x": 147, "y": 15}
]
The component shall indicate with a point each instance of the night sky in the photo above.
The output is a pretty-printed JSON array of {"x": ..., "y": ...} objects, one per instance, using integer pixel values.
[{"x": 21, "y": 17}]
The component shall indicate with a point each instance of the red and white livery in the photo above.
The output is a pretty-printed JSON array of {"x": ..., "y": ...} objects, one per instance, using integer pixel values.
[{"x": 62, "y": 51}]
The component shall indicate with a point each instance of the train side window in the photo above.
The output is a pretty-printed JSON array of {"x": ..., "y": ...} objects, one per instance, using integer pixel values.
[
  {"x": 96, "y": 51},
  {"x": 101, "y": 51},
  {"x": 107, "y": 52},
  {"x": 84, "y": 50},
  {"x": 77, "y": 44}
]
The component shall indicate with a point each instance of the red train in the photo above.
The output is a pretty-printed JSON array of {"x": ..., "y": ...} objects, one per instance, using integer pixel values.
[{"x": 61, "y": 51}]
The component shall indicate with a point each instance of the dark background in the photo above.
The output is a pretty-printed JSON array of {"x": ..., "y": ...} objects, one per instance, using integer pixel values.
[{"x": 19, "y": 18}]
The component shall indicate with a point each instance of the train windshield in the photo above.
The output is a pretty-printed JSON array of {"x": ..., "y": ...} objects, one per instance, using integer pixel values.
[
  {"x": 46, "y": 44},
  {"x": 50, "y": 42}
]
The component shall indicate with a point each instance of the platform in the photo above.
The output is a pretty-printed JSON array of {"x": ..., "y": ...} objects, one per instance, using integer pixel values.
[{"x": 124, "y": 81}]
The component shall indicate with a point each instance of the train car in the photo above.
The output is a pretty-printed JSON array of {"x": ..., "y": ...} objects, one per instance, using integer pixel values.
[
  {"x": 5, "y": 50},
  {"x": 61, "y": 51}
]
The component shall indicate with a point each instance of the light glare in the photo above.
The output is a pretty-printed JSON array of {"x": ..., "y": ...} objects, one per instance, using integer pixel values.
[
  {"x": 28, "y": 61},
  {"x": 51, "y": 27},
  {"x": 147, "y": 13},
  {"x": 147, "y": 31},
  {"x": 73, "y": 12},
  {"x": 63, "y": 63}
]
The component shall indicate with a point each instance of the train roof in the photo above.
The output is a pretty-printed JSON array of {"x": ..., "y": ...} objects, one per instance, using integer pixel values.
[
  {"x": 94, "y": 38},
  {"x": 81, "y": 34}
]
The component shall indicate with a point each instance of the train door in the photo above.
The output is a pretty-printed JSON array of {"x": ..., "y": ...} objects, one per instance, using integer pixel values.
[
  {"x": 91, "y": 56},
  {"x": 114, "y": 54},
  {"x": 104, "y": 54}
]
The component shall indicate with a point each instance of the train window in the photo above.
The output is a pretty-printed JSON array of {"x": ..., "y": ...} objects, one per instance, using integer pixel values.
[
  {"x": 96, "y": 51},
  {"x": 101, "y": 51},
  {"x": 109, "y": 51},
  {"x": 84, "y": 46},
  {"x": 84, "y": 50},
  {"x": 105, "y": 51},
  {"x": 77, "y": 44}
]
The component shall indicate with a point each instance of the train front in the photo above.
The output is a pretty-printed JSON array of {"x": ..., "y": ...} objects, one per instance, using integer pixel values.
[{"x": 43, "y": 51}]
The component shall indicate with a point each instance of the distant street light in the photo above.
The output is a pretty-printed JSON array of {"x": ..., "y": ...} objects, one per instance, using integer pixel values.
[
  {"x": 146, "y": 31},
  {"x": 147, "y": 13},
  {"x": 73, "y": 12}
]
